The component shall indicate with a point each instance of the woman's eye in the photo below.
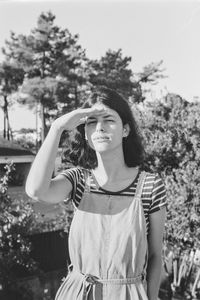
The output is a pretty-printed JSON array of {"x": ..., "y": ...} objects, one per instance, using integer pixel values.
[{"x": 91, "y": 122}]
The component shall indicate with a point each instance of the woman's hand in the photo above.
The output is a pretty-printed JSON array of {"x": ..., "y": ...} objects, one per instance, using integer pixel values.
[{"x": 77, "y": 117}]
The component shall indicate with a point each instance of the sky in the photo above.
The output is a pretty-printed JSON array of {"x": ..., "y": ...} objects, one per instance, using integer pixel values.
[{"x": 146, "y": 30}]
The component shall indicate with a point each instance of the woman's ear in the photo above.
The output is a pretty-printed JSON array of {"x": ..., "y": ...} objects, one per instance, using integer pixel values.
[{"x": 126, "y": 130}]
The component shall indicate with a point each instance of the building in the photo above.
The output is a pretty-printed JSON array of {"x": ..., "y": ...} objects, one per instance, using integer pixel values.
[{"x": 22, "y": 158}]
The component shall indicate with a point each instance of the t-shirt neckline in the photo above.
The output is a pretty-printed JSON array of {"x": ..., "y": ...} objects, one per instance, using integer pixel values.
[{"x": 112, "y": 192}]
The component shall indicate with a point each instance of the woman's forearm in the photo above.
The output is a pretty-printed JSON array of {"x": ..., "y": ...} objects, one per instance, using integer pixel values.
[
  {"x": 39, "y": 178},
  {"x": 41, "y": 171},
  {"x": 153, "y": 276}
]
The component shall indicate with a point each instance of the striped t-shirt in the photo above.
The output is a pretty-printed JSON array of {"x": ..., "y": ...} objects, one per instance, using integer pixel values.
[{"x": 153, "y": 193}]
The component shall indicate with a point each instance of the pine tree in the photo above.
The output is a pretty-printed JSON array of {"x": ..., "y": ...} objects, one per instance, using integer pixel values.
[
  {"x": 112, "y": 70},
  {"x": 52, "y": 60}
]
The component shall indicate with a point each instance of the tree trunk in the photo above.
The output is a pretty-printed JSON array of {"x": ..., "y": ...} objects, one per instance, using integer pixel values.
[
  {"x": 9, "y": 127},
  {"x": 6, "y": 130},
  {"x": 37, "y": 127},
  {"x": 43, "y": 122},
  {"x": 4, "y": 125}
]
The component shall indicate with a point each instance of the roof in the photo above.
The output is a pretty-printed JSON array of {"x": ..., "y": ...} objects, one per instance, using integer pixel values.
[{"x": 10, "y": 148}]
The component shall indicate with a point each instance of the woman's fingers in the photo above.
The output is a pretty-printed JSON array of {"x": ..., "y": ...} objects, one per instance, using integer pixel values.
[
  {"x": 82, "y": 120},
  {"x": 88, "y": 112},
  {"x": 83, "y": 114},
  {"x": 77, "y": 117}
]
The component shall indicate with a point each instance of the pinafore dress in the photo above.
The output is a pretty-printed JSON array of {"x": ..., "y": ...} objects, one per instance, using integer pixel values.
[{"x": 107, "y": 247}]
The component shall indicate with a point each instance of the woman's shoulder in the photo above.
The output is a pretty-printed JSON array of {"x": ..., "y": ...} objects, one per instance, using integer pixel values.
[
  {"x": 74, "y": 173},
  {"x": 153, "y": 178},
  {"x": 154, "y": 183},
  {"x": 75, "y": 169},
  {"x": 155, "y": 186}
]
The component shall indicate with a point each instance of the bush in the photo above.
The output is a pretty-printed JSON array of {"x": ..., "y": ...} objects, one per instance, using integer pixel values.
[
  {"x": 15, "y": 222},
  {"x": 171, "y": 132}
]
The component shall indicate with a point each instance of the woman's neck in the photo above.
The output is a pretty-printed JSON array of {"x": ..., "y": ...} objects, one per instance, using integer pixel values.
[{"x": 110, "y": 167}]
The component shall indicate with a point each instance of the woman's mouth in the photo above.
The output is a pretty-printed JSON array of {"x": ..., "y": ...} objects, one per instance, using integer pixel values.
[{"x": 101, "y": 138}]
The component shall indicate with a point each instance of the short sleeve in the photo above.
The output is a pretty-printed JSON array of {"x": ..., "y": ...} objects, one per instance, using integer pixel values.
[
  {"x": 73, "y": 175},
  {"x": 158, "y": 195}
]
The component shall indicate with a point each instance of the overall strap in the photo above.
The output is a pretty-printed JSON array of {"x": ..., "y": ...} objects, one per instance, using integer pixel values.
[{"x": 140, "y": 184}]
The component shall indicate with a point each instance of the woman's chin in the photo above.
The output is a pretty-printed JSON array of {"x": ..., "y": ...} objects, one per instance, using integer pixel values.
[{"x": 102, "y": 147}]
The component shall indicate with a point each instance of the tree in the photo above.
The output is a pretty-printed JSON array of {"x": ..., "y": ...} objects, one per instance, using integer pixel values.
[
  {"x": 11, "y": 76},
  {"x": 52, "y": 60},
  {"x": 150, "y": 75},
  {"x": 112, "y": 70}
]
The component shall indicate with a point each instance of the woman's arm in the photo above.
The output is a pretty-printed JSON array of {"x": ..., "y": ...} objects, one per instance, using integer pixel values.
[
  {"x": 155, "y": 239},
  {"x": 39, "y": 184}
]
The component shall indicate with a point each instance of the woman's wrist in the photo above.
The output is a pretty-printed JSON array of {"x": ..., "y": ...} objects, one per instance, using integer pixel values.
[{"x": 57, "y": 128}]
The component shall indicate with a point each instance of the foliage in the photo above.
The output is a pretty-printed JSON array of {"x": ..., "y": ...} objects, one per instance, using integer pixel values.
[
  {"x": 150, "y": 75},
  {"x": 57, "y": 75},
  {"x": 15, "y": 221},
  {"x": 53, "y": 62},
  {"x": 26, "y": 138},
  {"x": 11, "y": 76},
  {"x": 112, "y": 70},
  {"x": 171, "y": 131}
]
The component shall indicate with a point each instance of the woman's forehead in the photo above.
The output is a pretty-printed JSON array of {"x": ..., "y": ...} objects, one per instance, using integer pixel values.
[{"x": 108, "y": 110}]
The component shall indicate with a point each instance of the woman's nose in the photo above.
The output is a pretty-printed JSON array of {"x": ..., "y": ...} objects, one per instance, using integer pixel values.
[{"x": 99, "y": 126}]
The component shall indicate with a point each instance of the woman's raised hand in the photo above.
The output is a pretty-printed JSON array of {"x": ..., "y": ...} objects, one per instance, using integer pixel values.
[{"x": 77, "y": 117}]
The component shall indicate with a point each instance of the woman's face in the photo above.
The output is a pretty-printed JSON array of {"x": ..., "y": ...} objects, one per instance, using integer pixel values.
[{"x": 104, "y": 132}]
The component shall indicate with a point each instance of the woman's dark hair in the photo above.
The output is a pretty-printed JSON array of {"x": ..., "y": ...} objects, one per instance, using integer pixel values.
[{"x": 79, "y": 152}]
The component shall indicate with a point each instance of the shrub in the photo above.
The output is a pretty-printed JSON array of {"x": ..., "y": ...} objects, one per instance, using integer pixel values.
[{"x": 15, "y": 222}]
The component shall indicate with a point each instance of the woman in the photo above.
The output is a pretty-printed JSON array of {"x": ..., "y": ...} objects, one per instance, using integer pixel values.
[{"x": 115, "y": 238}]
